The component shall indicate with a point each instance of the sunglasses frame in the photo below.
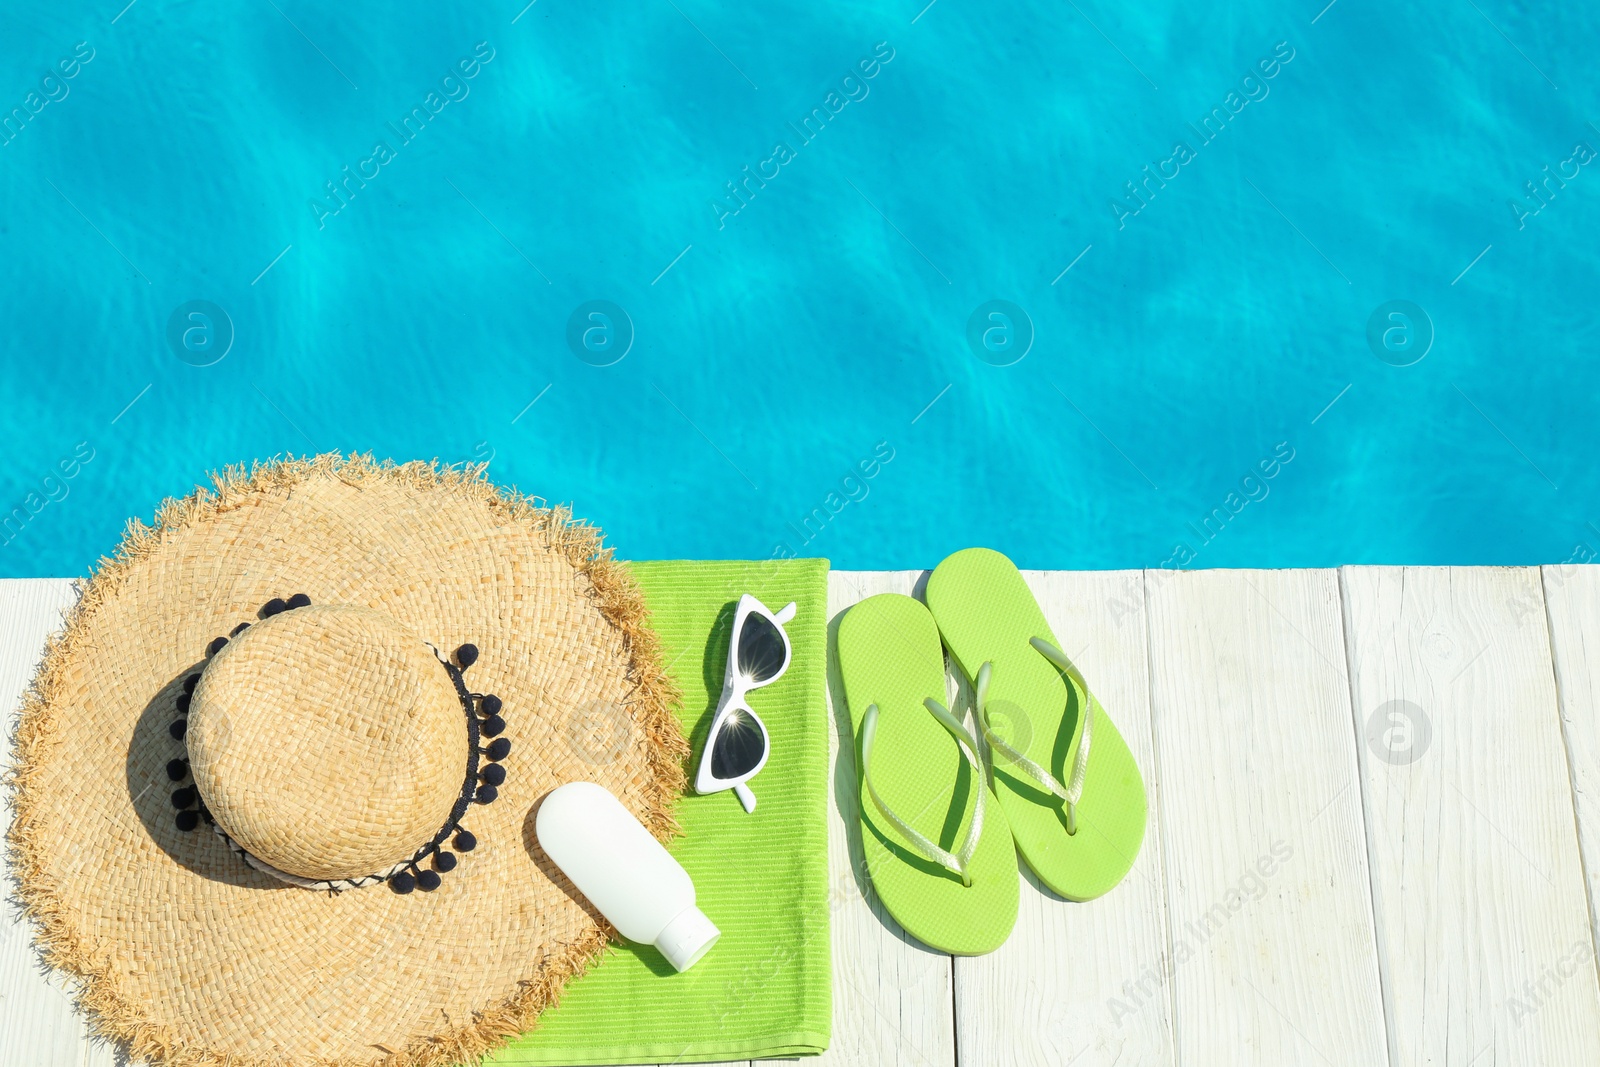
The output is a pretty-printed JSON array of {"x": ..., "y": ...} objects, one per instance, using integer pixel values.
[{"x": 736, "y": 687}]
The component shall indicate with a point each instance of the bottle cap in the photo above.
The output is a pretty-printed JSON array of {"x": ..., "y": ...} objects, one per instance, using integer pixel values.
[{"x": 686, "y": 937}]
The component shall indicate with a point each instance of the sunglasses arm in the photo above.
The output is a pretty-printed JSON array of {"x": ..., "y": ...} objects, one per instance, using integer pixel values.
[{"x": 747, "y": 798}]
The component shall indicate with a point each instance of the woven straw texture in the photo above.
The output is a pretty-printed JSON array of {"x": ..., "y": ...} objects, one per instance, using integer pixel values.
[
  {"x": 366, "y": 736},
  {"x": 188, "y": 955}
]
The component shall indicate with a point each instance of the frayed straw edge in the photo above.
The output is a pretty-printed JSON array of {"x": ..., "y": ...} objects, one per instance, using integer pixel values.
[{"x": 115, "y": 1018}]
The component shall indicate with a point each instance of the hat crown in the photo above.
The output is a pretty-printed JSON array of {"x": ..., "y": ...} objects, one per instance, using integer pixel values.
[{"x": 329, "y": 742}]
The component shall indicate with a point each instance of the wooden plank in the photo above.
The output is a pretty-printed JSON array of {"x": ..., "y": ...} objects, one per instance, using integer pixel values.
[
  {"x": 1083, "y": 983},
  {"x": 892, "y": 995},
  {"x": 1483, "y": 927},
  {"x": 37, "y": 1022},
  {"x": 1246, "y": 674},
  {"x": 1271, "y": 928},
  {"x": 1572, "y": 599}
]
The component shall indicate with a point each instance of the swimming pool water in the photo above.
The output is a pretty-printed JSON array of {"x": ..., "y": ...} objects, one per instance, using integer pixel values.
[{"x": 1279, "y": 285}]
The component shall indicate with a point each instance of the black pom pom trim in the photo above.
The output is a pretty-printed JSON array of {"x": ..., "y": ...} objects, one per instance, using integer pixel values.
[
  {"x": 299, "y": 600},
  {"x": 484, "y": 775},
  {"x": 190, "y": 682},
  {"x": 185, "y": 797},
  {"x": 273, "y": 607},
  {"x": 183, "y": 702},
  {"x": 178, "y": 769},
  {"x": 188, "y": 820},
  {"x": 237, "y": 630},
  {"x": 178, "y": 729}
]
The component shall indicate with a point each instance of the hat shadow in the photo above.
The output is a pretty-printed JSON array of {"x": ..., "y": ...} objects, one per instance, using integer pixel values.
[{"x": 150, "y": 788}]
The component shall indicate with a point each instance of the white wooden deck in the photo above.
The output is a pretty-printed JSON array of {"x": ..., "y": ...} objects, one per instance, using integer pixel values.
[{"x": 1313, "y": 889}]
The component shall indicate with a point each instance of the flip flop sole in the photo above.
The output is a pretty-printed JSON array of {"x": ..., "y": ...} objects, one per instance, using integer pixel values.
[
  {"x": 889, "y": 655},
  {"x": 986, "y": 613}
]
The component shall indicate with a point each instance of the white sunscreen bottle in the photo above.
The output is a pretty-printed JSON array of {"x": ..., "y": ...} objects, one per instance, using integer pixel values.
[{"x": 624, "y": 871}]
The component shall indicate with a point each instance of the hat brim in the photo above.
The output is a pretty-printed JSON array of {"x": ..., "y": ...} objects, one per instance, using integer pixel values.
[{"x": 186, "y": 954}]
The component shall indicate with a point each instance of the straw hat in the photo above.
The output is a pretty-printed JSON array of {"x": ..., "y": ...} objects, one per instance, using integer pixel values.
[{"x": 275, "y": 783}]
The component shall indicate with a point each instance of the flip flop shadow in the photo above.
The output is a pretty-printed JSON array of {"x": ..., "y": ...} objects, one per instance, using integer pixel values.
[{"x": 845, "y": 795}]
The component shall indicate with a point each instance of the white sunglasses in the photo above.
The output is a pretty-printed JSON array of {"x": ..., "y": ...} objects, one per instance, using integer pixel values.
[{"x": 736, "y": 748}]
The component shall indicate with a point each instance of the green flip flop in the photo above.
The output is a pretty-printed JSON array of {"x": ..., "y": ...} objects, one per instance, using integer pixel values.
[
  {"x": 1080, "y": 837},
  {"x": 937, "y": 845}
]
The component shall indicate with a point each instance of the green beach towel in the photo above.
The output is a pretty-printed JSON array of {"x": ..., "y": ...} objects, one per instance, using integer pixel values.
[{"x": 766, "y": 988}]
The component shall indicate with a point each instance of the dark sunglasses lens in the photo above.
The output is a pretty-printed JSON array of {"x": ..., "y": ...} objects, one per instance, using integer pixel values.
[
  {"x": 760, "y": 648},
  {"x": 737, "y": 748}
]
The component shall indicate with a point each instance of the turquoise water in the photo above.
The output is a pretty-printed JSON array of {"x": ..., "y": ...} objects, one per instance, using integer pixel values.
[{"x": 811, "y": 364}]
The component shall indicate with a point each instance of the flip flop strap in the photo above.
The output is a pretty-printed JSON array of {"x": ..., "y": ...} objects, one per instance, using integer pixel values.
[
  {"x": 1073, "y": 791},
  {"x": 956, "y": 862}
]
